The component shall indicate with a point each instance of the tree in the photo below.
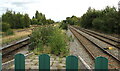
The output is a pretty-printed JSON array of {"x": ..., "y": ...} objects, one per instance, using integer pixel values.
[
  {"x": 34, "y": 21},
  {"x": 97, "y": 23},
  {"x": 8, "y": 17},
  {"x": 49, "y": 21},
  {"x": 16, "y": 20},
  {"x": 36, "y": 14},
  {"x": 20, "y": 21},
  {"x": 40, "y": 19},
  {"x": 26, "y": 20},
  {"x": 72, "y": 20},
  {"x": 88, "y": 17}
]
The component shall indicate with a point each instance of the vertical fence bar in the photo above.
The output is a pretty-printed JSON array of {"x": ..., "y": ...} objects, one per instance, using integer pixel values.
[
  {"x": 44, "y": 62},
  {"x": 19, "y": 62},
  {"x": 71, "y": 63},
  {"x": 0, "y": 61},
  {"x": 101, "y": 64}
]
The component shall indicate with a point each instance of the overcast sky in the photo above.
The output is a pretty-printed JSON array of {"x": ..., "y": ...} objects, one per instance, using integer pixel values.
[{"x": 55, "y": 9}]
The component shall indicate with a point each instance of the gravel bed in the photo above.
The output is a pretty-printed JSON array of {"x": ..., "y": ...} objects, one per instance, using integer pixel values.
[
  {"x": 98, "y": 36},
  {"x": 114, "y": 51},
  {"x": 77, "y": 49},
  {"x": 96, "y": 51},
  {"x": 108, "y": 36}
]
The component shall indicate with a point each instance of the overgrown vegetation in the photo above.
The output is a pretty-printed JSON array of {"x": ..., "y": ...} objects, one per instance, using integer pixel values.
[
  {"x": 106, "y": 20},
  {"x": 12, "y": 20},
  {"x": 64, "y": 26},
  {"x": 7, "y": 30},
  {"x": 49, "y": 39},
  {"x": 15, "y": 37}
]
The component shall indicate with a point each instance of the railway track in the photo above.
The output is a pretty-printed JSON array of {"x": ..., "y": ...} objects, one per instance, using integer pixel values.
[
  {"x": 9, "y": 51},
  {"x": 94, "y": 50},
  {"x": 114, "y": 45},
  {"x": 108, "y": 39}
]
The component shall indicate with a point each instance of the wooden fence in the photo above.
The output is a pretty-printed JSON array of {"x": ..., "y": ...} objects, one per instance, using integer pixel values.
[{"x": 101, "y": 63}]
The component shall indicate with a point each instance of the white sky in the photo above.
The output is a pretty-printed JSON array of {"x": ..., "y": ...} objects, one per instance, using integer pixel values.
[{"x": 55, "y": 9}]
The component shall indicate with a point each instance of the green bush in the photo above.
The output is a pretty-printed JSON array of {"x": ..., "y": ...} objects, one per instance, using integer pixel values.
[
  {"x": 64, "y": 26},
  {"x": 51, "y": 37},
  {"x": 40, "y": 36},
  {"x": 58, "y": 43},
  {"x": 9, "y": 32},
  {"x": 5, "y": 27}
]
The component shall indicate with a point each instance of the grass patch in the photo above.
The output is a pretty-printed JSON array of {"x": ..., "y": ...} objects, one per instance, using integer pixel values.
[
  {"x": 16, "y": 36},
  {"x": 38, "y": 51},
  {"x": 6, "y": 41}
]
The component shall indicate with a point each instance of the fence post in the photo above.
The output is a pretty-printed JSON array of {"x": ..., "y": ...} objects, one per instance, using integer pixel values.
[
  {"x": 0, "y": 61},
  {"x": 44, "y": 62},
  {"x": 101, "y": 64},
  {"x": 71, "y": 63},
  {"x": 19, "y": 62}
]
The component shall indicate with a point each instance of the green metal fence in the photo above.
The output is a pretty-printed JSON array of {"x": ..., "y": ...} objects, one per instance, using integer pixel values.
[
  {"x": 101, "y": 63},
  {"x": 0, "y": 61},
  {"x": 19, "y": 62}
]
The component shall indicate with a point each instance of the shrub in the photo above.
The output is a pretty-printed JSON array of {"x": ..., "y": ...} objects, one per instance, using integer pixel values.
[
  {"x": 58, "y": 43},
  {"x": 9, "y": 32},
  {"x": 51, "y": 37},
  {"x": 5, "y": 27},
  {"x": 64, "y": 26},
  {"x": 40, "y": 36}
]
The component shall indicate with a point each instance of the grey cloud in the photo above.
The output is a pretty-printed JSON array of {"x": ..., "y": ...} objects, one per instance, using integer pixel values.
[
  {"x": 24, "y": 2},
  {"x": 20, "y": 3}
]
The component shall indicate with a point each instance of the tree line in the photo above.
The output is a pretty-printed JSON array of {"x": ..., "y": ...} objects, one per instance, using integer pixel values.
[
  {"x": 40, "y": 19},
  {"x": 13, "y": 20},
  {"x": 106, "y": 20}
]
